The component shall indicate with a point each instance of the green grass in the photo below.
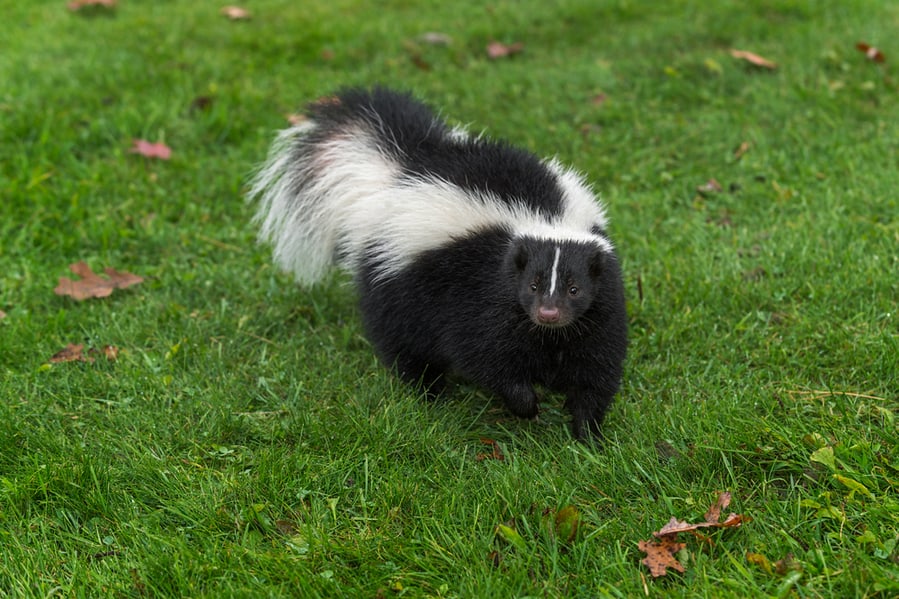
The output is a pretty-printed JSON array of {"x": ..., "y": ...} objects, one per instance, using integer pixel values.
[{"x": 247, "y": 443}]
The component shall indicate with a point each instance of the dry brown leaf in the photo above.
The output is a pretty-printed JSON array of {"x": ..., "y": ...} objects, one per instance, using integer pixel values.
[
  {"x": 110, "y": 352},
  {"x": 2, "y": 314},
  {"x": 753, "y": 58},
  {"x": 73, "y": 352},
  {"x": 79, "y": 4},
  {"x": 500, "y": 50},
  {"x": 660, "y": 555},
  {"x": 151, "y": 150},
  {"x": 657, "y": 560},
  {"x": 742, "y": 149},
  {"x": 434, "y": 38},
  {"x": 496, "y": 454},
  {"x": 236, "y": 13},
  {"x": 714, "y": 513},
  {"x": 92, "y": 285},
  {"x": 710, "y": 186}
]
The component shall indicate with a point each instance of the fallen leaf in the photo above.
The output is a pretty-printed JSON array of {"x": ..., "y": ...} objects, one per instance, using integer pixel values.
[
  {"x": 660, "y": 555},
  {"x": 675, "y": 526},
  {"x": 496, "y": 454},
  {"x": 871, "y": 52},
  {"x": 714, "y": 513},
  {"x": 787, "y": 564},
  {"x": 93, "y": 285},
  {"x": 73, "y": 352},
  {"x": 236, "y": 13},
  {"x": 202, "y": 103},
  {"x": 79, "y": 4},
  {"x": 567, "y": 521},
  {"x": 710, "y": 186},
  {"x": 660, "y": 552},
  {"x": 151, "y": 150},
  {"x": 753, "y": 58},
  {"x": 742, "y": 149},
  {"x": 757, "y": 559},
  {"x": 500, "y": 50},
  {"x": 511, "y": 536},
  {"x": 110, "y": 352},
  {"x": 435, "y": 39},
  {"x": 2, "y": 314}
]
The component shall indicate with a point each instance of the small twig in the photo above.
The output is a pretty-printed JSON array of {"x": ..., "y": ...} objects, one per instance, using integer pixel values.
[{"x": 220, "y": 244}]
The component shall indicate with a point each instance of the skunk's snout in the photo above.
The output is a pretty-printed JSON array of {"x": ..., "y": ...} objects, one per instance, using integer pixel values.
[{"x": 548, "y": 315}]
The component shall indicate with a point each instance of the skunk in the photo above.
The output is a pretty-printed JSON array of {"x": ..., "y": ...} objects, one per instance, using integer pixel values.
[{"x": 471, "y": 257}]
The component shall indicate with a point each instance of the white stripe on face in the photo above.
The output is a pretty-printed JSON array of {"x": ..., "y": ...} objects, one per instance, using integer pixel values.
[{"x": 555, "y": 274}]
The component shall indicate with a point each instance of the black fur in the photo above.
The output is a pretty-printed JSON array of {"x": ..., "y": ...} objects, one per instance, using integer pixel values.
[
  {"x": 480, "y": 304},
  {"x": 421, "y": 143},
  {"x": 468, "y": 309}
]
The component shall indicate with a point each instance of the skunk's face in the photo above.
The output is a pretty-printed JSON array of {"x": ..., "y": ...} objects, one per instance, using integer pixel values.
[{"x": 557, "y": 280}]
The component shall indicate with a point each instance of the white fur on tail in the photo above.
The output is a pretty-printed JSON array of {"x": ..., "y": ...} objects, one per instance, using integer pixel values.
[{"x": 353, "y": 199}]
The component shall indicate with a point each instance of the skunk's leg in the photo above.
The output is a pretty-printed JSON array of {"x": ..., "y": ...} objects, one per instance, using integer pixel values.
[
  {"x": 425, "y": 376},
  {"x": 587, "y": 408},
  {"x": 520, "y": 398}
]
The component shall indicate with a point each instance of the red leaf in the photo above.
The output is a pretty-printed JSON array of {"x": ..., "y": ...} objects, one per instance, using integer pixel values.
[
  {"x": 871, "y": 52},
  {"x": 151, "y": 150},
  {"x": 752, "y": 58},
  {"x": 500, "y": 50}
]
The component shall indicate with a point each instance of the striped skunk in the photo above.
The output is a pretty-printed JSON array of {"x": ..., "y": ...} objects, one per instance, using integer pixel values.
[{"x": 470, "y": 256}]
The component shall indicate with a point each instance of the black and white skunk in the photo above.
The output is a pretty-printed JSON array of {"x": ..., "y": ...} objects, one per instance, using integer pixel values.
[{"x": 471, "y": 257}]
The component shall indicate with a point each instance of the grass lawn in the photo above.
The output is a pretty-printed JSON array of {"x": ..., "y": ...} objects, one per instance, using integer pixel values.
[{"x": 246, "y": 443}]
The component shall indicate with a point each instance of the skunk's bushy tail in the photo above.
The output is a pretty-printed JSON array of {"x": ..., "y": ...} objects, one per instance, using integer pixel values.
[
  {"x": 308, "y": 187},
  {"x": 375, "y": 176}
]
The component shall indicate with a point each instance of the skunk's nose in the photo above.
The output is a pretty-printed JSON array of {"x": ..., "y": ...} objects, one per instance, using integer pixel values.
[{"x": 548, "y": 315}]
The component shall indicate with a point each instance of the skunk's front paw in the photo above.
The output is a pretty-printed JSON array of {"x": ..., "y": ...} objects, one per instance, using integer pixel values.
[{"x": 522, "y": 401}]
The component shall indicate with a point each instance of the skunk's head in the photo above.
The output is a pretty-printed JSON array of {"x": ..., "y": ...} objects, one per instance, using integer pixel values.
[{"x": 557, "y": 280}]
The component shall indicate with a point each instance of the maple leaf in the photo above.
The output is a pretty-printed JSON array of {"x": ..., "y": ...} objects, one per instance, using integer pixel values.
[
  {"x": 500, "y": 50},
  {"x": 753, "y": 58},
  {"x": 660, "y": 555},
  {"x": 236, "y": 13},
  {"x": 871, "y": 52},
  {"x": 79, "y": 4},
  {"x": 93, "y": 285},
  {"x": 496, "y": 454},
  {"x": 151, "y": 150}
]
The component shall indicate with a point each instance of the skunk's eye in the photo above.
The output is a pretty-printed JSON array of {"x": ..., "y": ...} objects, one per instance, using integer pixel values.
[
  {"x": 573, "y": 291},
  {"x": 534, "y": 287}
]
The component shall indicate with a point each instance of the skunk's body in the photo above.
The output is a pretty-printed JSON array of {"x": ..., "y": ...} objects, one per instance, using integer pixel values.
[{"x": 470, "y": 256}]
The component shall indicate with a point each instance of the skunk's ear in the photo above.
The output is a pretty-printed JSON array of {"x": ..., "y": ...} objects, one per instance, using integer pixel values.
[
  {"x": 597, "y": 264},
  {"x": 520, "y": 255}
]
